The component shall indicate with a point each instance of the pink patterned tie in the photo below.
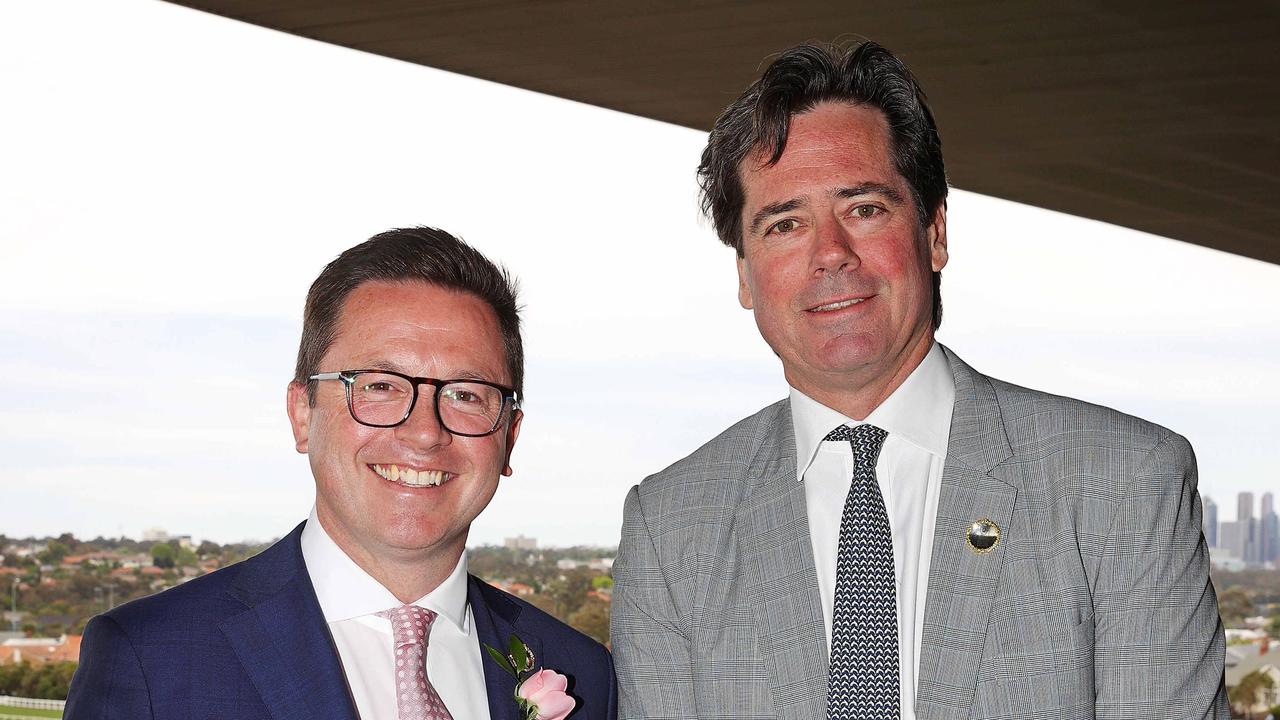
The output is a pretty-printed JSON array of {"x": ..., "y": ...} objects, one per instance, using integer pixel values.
[{"x": 415, "y": 697}]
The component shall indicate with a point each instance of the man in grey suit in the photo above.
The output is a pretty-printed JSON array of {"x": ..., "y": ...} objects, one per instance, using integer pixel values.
[{"x": 902, "y": 537}]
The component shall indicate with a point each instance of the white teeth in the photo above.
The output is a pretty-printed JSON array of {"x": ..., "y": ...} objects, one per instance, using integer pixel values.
[
  {"x": 838, "y": 305},
  {"x": 422, "y": 478},
  {"x": 409, "y": 476}
]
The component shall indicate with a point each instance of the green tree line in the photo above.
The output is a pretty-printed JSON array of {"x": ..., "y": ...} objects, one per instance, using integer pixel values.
[{"x": 47, "y": 681}]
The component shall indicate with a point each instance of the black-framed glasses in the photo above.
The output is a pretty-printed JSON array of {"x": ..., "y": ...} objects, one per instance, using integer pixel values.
[{"x": 385, "y": 399}]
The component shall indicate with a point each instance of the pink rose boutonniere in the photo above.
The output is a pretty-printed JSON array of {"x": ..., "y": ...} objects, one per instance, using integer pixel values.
[
  {"x": 545, "y": 697},
  {"x": 540, "y": 694}
]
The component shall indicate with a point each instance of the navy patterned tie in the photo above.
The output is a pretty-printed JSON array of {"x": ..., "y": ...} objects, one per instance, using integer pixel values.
[{"x": 863, "y": 684}]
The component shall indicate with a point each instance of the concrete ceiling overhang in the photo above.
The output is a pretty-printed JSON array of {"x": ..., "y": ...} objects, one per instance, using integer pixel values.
[{"x": 1159, "y": 115}]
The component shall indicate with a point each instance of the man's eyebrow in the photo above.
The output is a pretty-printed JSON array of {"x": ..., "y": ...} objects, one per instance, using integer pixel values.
[
  {"x": 385, "y": 365},
  {"x": 871, "y": 188},
  {"x": 470, "y": 375},
  {"x": 772, "y": 209},
  {"x": 460, "y": 374}
]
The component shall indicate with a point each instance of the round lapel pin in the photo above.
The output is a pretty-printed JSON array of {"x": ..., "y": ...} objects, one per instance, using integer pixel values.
[{"x": 983, "y": 536}]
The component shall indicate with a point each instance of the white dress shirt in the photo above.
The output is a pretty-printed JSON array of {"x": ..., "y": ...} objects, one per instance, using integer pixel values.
[
  {"x": 917, "y": 417},
  {"x": 350, "y": 600}
]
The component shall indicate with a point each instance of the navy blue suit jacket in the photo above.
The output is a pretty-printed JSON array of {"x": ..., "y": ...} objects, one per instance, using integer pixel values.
[{"x": 249, "y": 642}]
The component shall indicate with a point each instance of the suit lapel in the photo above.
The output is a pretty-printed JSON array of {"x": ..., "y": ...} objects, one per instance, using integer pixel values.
[
  {"x": 495, "y": 617},
  {"x": 963, "y": 583},
  {"x": 282, "y": 640},
  {"x": 781, "y": 582}
]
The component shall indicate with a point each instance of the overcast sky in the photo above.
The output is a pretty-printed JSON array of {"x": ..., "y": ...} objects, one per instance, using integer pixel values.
[{"x": 173, "y": 181}]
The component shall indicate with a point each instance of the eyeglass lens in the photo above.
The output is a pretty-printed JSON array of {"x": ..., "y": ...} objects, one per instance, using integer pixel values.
[{"x": 464, "y": 407}]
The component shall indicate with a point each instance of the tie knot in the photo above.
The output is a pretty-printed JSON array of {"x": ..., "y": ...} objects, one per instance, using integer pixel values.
[
  {"x": 409, "y": 623},
  {"x": 865, "y": 439}
]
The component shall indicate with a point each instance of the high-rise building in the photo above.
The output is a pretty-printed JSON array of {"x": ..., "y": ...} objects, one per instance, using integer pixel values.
[
  {"x": 1269, "y": 540},
  {"x": 1210, "y": 522},
  {"x": 1247, "y": 550},
  {"x": 1244, "y": 506},
  {"x": 1240, "y": 539},
  {"x": 1229, "y": 539},
  {"x": 1269, "y": 531},
  {"x": 1249, "y": 529}
]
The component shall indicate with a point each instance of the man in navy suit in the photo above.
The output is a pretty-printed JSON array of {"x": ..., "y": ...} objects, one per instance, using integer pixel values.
[{"x": 406, "y": 401}]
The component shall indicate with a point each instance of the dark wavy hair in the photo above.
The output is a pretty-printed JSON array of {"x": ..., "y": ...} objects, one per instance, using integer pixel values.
[
  {"x": 802, "y": 77},
  {"x": 423, "y": 254}
]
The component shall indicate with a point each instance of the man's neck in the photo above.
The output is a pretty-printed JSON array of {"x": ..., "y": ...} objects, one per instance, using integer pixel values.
[{"x": 856, "y": 396}]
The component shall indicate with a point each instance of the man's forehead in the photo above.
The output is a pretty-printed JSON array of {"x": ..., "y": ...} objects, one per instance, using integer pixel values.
[
  {"x": 418, "y": 302},
  {"x": 395, "y": 312},
  {"x": 855, "y": 137}
]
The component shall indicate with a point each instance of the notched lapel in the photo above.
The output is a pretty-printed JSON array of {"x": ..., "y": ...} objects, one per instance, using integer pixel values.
[
  {"x": 962, "y": 582},
  {"x": 495, "y": 617},
  {"x": 782, "y": 584},
  {"x": 285, "y": 648},
  {"x": 282, "y": 640},
  {"x": 962, "y": 585}
]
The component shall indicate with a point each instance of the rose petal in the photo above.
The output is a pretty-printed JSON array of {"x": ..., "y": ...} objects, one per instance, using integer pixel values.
[
  {"x": 531, "y": 686},
  {"x": 553, "y": 680},
  {"x": 555, "y": 706}
]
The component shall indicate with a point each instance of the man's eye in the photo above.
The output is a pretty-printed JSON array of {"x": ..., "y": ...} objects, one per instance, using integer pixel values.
[
  {"x": 867, "y": 211},
  {"x": 784, "y": 226},
  {"x": 461, "y": 396},
  {"x": 378, "y": 387}
]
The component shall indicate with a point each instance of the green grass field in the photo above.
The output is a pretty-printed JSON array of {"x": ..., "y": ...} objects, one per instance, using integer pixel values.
[{"x": 16, "y": 712}]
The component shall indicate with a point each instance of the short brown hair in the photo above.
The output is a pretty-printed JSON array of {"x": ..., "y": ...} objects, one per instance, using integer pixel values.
[{"x": 423, "y": 254}]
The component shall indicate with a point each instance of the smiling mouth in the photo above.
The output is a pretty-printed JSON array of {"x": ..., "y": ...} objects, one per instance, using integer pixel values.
[
  {"x": 410, "y": 477},
  {"x": 839, "y": 305}
]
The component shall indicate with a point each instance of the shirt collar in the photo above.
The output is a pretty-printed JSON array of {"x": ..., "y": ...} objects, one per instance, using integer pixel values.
[
  {"x": 346, "y": 591},
  {"x": 918, "y": 412}
]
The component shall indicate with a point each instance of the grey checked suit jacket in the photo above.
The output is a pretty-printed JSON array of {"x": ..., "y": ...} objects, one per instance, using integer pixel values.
[{"x": 1095, "y": 603}]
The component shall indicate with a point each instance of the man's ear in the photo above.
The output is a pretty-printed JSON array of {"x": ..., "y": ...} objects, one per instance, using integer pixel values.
[
  {"x": 299, "y": 408},
  {"x": 936, "y": 235},
  {"x": 513, "y": 432},
  {"x": 744, "y": 290}
]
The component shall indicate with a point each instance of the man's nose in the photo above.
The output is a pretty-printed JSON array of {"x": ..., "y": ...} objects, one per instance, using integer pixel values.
[
  {"x": 423, "y": 428},
  {"x": 834, "y": 249}
]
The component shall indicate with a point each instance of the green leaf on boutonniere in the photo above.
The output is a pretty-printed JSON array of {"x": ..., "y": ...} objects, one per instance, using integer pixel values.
[
  {"x": 519, "y": 655},
  {"x": 519, "y": 661},
  {"x": 502, "y": 661}
]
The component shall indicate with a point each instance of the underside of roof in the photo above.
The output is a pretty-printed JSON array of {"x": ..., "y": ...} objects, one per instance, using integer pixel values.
[{"x": 1158, "y": 116}]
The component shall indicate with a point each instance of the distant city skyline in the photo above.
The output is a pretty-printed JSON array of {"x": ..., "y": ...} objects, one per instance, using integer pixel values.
[
  {"x": 1250, "y": 539},
  {"x": 1258, "y": 494}
]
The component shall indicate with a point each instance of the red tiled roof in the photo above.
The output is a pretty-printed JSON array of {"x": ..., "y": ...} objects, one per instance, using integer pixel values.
[{"x": 64, "y": 649}]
